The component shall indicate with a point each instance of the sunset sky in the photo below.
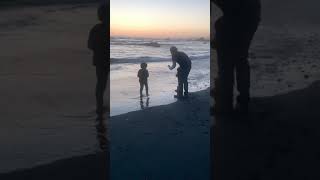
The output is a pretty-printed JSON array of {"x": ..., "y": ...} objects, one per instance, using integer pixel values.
[{"x": 160, "y": 18}]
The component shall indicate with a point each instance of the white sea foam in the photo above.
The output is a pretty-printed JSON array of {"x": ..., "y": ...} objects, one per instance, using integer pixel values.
[{"x": 136, "y": 50}]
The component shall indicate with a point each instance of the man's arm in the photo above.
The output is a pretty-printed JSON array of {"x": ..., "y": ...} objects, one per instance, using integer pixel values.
[
  {"x": 174, "y": 63},
  {"x": 91, "y": 40},
  {"x": 213, "y": 43},
  {"x": 138, "y": 75}
]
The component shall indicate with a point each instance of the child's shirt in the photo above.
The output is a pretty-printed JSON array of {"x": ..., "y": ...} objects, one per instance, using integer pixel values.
[
  {"x": 143, "y": 75},
  {"x": 97, "y": 42}
]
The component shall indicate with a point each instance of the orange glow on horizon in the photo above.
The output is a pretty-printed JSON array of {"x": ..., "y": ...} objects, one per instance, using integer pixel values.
[
  {"x": 160, "y": 33},
  {"x": 159, "y": 22}
]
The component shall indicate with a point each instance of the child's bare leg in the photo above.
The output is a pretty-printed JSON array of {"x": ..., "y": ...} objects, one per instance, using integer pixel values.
[
  {"x": 147, "y": 89},
  {"x": 141, "y": 89}
]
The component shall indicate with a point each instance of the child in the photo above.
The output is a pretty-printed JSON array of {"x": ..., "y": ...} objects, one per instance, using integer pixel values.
[
  {"x": 97, "y": 42},
  {"x": 143, "y": 75}
]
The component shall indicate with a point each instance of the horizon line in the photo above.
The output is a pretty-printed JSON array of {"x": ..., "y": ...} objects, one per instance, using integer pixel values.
[{"x": 149, "y": 37}]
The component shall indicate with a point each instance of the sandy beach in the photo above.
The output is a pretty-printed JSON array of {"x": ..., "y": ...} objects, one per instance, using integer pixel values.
[
  {"x": 277, "y": 141},
  {"x": 92, "y": 166},
  {"x": 162, "y": 142},
  {"x": 47, "y": 86}
]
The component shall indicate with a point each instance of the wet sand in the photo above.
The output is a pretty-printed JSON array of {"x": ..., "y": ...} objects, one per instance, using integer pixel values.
[
  {"x": 93, "y": 166},
  {"x": 162, "y": 142},
  {"x": 279, "y": 140}
]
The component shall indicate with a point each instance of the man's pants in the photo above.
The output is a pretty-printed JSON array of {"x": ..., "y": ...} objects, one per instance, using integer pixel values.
[
  {"x": 233, "y": 41},
  {"x": 182, "y": 81},
  {"x": 102, "y": 78}
]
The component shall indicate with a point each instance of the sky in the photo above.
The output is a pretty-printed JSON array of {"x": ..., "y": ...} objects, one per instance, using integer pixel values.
[{"x": 160, "y": 18}]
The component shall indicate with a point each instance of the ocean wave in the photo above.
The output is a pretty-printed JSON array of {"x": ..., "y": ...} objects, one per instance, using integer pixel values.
[
  {"x": 153, "y": 59},
  {"x": 150, "y": 44},
  {"x": 138, "y": 60},
  {"x": 153, "y": 43}
]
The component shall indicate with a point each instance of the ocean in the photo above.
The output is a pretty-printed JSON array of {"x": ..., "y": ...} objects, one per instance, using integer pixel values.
[{"x": 126, "y": 56}]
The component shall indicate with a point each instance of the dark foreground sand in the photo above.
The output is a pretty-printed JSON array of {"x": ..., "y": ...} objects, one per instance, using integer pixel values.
[
  {"x": 94, "y": 166},
  {"x": 164, "y": 142},
  {"x": 280, "y": 139}
]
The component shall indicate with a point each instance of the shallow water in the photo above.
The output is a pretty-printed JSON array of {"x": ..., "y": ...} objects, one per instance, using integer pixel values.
[
  {"x": 128, "y": 53},
  {"x": 134, "y": 50},
  {"x": 124, "y": 89}
]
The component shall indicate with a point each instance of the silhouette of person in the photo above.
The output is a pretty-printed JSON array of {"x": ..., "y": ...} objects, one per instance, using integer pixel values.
[
  {"x": 97, "y": 42},
  {"x": 234, "y": 33},
  {"x": 143, "y": 75},
  {"x": 182, "y": 72}
]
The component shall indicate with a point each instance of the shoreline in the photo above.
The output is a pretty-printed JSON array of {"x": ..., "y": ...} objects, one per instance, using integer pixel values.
[
  {"x": 157, "y": 106},
  {"x": 201, "y": 92}
]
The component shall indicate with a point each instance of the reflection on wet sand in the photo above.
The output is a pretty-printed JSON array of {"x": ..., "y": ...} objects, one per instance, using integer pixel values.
[
  {"x": 142, "y": 103},
  {"x": 102, "y": 134},
  {"x": 102, "y": 137}
]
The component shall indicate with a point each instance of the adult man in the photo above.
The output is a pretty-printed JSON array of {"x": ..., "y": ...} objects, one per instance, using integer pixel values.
[
  {"x": 183, "y": 71},
  {"x": 234, "y": 33}
]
